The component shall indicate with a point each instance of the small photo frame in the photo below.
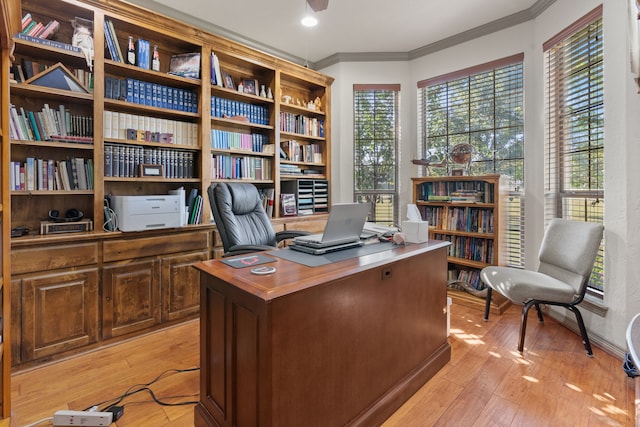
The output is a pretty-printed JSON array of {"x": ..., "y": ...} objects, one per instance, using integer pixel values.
[
  {"x": 154, "y": 171},
  {"x": 250, "y": 86},
  {"x": 457, "y": 172},
  {"x": 227, "y": 81}
]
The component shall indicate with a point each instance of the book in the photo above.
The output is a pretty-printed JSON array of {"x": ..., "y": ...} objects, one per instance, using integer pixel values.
[
  {"x": 144, "y": 54},
  {"x": 114, "y": 38},
  {"x": 113, "y": 53},
  {"x": 50, "y": 29}
]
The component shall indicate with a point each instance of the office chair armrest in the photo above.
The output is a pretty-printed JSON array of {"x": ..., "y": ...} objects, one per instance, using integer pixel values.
[
  {"x": 247, "y": 249},
  {"x": 290, "y": 234}
]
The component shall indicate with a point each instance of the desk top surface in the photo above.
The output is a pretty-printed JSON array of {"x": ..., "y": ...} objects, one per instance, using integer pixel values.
[{"x": 292, "y": 277}]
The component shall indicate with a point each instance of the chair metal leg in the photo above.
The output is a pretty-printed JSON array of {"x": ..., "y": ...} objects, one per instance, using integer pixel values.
[
  {"x": 487, "y": 305},
  {"x": 523, "y": 325},
  {"x": 583, "y": 330},
  {"x": 540, "y": 318}
]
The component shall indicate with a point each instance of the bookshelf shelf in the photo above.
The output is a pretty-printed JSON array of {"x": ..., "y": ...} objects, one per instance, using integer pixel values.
[
  {"x": 42, "y": 92},
  {"x": 52, "y": 192},
  {"x": 293, "y": 135},
  {"x": 233, "y": 123},
  {"x": 473, "y": 228},
  {"x": 151, "y": 179},
  {"x": 51, "y": 53},
  {"x": 50, "y": 144},
  {"x": 119, "y": 68}
]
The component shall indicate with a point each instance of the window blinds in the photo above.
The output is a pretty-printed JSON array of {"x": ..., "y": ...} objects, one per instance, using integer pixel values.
[{"x": 574, "y": 135}]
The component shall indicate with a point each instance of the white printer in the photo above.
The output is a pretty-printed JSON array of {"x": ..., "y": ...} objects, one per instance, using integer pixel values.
[{"x": 138, "y": 213}]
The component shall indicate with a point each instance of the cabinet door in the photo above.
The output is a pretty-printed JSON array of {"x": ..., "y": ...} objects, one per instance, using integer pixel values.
[
  {"x": 131, "y": 297},
  {"x": 59, "y": 312},
  {"x": 180, "y": 285}
]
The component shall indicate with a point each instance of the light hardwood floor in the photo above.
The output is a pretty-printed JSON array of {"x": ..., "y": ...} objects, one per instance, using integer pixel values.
[{"x": 486, "y": 383}]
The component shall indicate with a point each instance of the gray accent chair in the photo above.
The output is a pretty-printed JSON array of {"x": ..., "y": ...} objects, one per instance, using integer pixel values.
[
  {"x": 567, "y": 255},
  {"x": 241, "y": 219}
]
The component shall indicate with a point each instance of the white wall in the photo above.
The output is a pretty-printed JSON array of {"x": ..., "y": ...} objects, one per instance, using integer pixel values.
[{"x": 622, "y": 136}]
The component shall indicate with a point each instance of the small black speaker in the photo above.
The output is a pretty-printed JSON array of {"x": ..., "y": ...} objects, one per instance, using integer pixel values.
[{"x": 71, "y": 215}]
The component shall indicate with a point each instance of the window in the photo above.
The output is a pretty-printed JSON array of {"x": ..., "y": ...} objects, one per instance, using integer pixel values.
[
  {"x": 376, "y": 133},
  {"x": 574, "y": 134},
  {"x": 481, "y": 106}
]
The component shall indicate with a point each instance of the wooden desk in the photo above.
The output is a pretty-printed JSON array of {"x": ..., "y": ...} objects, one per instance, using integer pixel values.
[{"x": 342, "y": 344}]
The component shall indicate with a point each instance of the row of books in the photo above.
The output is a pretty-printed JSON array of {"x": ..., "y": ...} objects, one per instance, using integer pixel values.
[
  {"x": 111, "y": 41},
  {"x": 460, "y": 219},
  {"x": 34, "y": 28},
  {"x": 150, "y": 94},
  {"x": 444, "y": 191},
  {"x": 116, "y": 124},
  {"x": 472, "y": 277},
  {"x": 240, "y": 167},
  {"x": 301, "y": 124},
  {"x": 287, "y": 169},
  {"x": 267, "y": 195},
  {"x": 226, "y": 140},
  {"x": 222, "y": 107},
  {"x": 49, "y": 124},
  {"x": 297, "y": 152},
  {"x": 47, "y": 174},
  {"x": 471, "y": 248},
  {"x": 124, "y": 161}
]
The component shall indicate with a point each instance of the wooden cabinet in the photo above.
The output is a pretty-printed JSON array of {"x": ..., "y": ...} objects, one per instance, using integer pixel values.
[
  {"x": 180, "y": 294},
  {"x": 59, "y": 312},
  {"x": 466, "y": 211},
  {"x": 101, "y": 289}
]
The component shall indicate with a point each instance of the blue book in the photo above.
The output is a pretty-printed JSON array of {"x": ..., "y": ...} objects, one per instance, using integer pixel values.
[
  {"x": 144, "y": 54},
  {"x": 129, "y": 93}
]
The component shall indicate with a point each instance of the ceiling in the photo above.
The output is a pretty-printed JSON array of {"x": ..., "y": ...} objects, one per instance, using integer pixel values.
[{"x": 349, "y": 26}]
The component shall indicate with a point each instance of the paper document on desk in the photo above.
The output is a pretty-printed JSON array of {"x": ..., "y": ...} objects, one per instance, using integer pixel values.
[{"x": 373, "y": 228}]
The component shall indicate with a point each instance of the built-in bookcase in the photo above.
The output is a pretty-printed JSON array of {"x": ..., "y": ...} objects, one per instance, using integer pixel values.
[
  {"x": 466, "y": 211},
  {"x": 133, "y": 130}
]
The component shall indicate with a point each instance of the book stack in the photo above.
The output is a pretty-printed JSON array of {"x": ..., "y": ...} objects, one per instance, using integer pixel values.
[
  {"x": 227, "y": 140},
  {"x": 34, "y": 28},
  {"x": 47, "y": 174},
  {"x": 50, "y": 124},
  {"x": 221, "y": 107},
  {"x": 240, "y": 167},
  {"x": 111, "y": 40},
  {"x": 150, "y": 94},
  {"x": 120, "y": 125},
  {"x": 467, "y": 196},
  {"x": 303, "y": 125},
  {"x": 123, "y": 161}
]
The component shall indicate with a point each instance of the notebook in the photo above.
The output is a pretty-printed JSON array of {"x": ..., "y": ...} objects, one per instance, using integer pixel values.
[{"x": 344, "y": 225}]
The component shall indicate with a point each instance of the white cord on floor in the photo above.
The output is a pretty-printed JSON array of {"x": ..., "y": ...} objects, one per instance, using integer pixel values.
[{"x": 39, "y": 421}]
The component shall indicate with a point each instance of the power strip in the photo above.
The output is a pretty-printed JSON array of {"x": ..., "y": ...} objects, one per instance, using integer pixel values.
[{"x": 82, "y": 418}]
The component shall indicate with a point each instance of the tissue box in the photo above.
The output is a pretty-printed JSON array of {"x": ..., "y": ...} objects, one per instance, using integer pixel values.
[{"x": 416, "y": 231}]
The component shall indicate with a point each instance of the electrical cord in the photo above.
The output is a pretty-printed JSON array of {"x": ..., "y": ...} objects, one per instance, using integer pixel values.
[
  {"x": 39, "y": 422},
  {"x": 138, "y": 388}
]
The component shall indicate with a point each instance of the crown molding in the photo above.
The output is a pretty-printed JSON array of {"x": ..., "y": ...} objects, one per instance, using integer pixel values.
[{"x": 499, "y": 24}]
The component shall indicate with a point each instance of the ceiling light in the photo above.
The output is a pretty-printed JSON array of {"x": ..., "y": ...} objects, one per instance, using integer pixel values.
[{"x": 309, "y": 21}]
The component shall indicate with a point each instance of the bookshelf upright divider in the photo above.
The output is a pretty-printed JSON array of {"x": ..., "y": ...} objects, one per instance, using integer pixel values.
[{"x": 466, "y": 211}]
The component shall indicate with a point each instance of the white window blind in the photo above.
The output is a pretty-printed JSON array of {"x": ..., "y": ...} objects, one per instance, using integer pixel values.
[
  {"x": 375, "y": 135},
  {"x": 574, "y": 137},
  {"x": 483, "y": 106}
]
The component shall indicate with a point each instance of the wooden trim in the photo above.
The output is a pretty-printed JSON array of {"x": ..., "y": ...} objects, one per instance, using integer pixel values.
[
  {"x": 395, "y": 87},
  {"x": 573, "y": 28},
  {"x": 476, "y": 69}
]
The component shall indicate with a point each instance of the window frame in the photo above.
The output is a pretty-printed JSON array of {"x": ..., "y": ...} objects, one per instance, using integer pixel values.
[{"x": 368, "y": 194}]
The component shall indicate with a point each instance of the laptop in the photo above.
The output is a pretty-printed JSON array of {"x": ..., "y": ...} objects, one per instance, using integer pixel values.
[
  {"x": 344, "y": 226},
  {"x": 320, "y": 251}
]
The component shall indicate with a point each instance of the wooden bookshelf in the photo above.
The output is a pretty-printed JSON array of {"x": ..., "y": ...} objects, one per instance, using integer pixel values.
[
  {"x": 172, "y": 117},
  {"x": 466, "y": 211}
]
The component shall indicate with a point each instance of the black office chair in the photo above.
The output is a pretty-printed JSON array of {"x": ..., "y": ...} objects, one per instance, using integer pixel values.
[{"x": 241, "y": 219}]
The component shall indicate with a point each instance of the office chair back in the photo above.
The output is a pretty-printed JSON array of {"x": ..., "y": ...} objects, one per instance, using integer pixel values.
[
  {"x": 239, "y": 215},
  {"x": 569, "y": 250}
]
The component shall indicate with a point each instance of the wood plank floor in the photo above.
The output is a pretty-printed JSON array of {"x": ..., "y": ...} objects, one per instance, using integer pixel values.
[{"x": 486, "y": 383}]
